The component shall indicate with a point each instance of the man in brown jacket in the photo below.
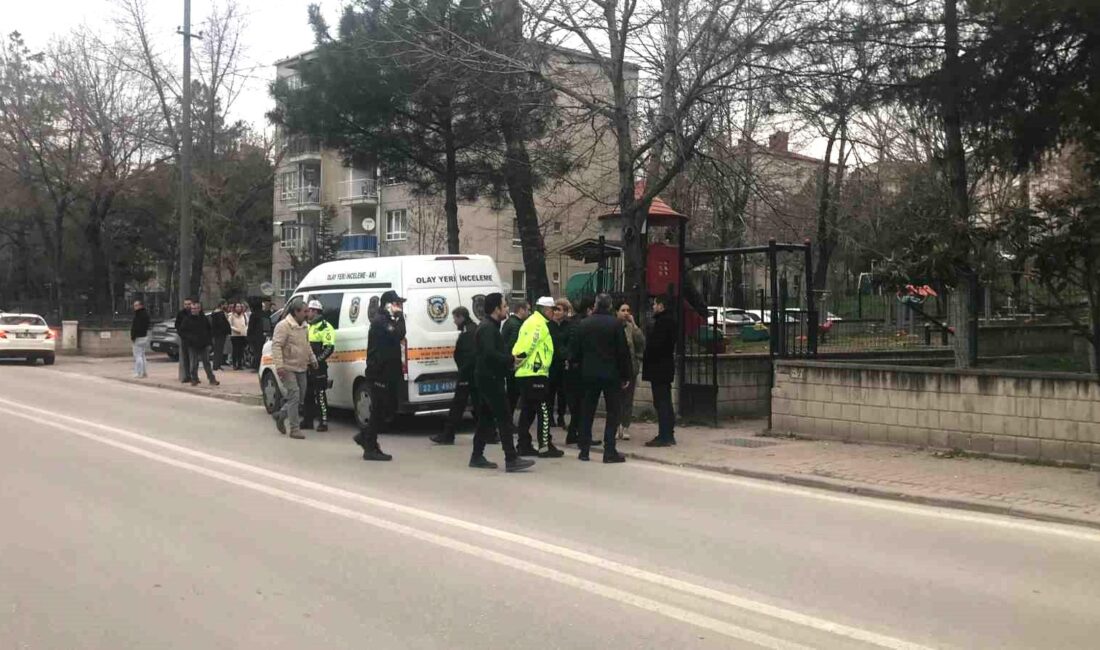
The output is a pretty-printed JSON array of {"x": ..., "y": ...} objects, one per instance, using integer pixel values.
[{"x": 292, "y": 356}]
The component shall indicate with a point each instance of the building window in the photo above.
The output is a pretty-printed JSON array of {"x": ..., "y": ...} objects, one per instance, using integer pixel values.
[
  {"x": 519, "y": 284},
  {"x": 287, "y": 281},
  {"x": 516, "y": 241},
  {"x": 555, "y": 227},
  {"x": 556, "y": 277},
  {"x": 290, "y": 235},
  {"x": 397, "y": 225}
]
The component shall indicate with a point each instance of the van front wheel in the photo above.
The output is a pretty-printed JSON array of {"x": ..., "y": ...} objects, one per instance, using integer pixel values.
[{"x": 361, "y": 401}]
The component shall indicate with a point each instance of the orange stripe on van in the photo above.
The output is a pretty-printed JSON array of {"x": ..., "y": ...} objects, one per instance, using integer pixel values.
[
  {"x": 348, "y": 356},
  {"x": 428, "y": 354}
]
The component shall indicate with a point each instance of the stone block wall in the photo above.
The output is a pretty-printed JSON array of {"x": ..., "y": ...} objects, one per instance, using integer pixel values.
[
  {"x": 105, "y": 342},
  {"x": 1035, "y": 416}
]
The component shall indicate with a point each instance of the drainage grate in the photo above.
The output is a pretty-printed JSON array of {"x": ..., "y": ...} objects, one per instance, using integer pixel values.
[{"x": 751, "y": 443}]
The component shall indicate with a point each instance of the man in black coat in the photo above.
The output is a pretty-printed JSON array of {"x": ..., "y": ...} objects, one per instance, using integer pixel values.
[
  {"x": 599, "y": 347},
  {"x": 195, "y": 335},
  {"x": 139, "y": 336},
  {"x": 259, "y": 324},
  {"x": 659, "y": 369},
  {"x": 219, "y": 330},
  {"x": 465, "y": 357},
  {"x": 493, "y": 364},
  {"x": 182, "y": 353},
  {"x": 509, "y": 330},
  {"x": 384, "y": 373},
  {"x": 571, "y": 377}
]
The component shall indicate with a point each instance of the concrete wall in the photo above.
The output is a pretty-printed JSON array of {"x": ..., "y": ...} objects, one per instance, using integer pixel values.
[
  {"x": 996, "y": 340},
  {"x": 1035, "y": 416},
  {"x": 105, "y": 342}
]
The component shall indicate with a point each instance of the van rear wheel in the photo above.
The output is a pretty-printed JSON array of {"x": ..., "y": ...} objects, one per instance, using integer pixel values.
[{"x": 361, "y": 402}]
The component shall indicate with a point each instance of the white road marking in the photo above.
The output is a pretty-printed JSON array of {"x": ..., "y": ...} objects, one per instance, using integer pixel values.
[
  {"x": 612, "y": 593},
  {"x": 612, "y": 566},
  {"x": 1063, "y": 530}
]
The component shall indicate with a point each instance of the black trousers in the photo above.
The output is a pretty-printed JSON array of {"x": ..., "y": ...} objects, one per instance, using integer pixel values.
[
  {"x": 257, "y": 345},
  {"x": 494, "y": 414},
  {"x": 239, "y": 343},
  {"x": 534, "y": 395},
  {"x": 464, "y": 394},
  {"x": 315, "y": 405},
  {"x": 574, "y": 396},
  {"x": 611, "y": 391},
  {"x": 195, "y": 356},
  {"x": 383, "y": 406},
  {"x": 556, "y": 398},
  {"x": 662, "y": 402},
  {"x": 219, "y": 352},
  {"x": 513, "y": 393}
]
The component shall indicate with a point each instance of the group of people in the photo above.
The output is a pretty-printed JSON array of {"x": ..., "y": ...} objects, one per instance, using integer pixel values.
[
  {"x": 554, "y": 358},
  {"x": 203, "y": 337}
]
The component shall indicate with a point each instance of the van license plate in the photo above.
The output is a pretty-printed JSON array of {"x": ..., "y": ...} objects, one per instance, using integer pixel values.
[{"x": 436, "y": 387}]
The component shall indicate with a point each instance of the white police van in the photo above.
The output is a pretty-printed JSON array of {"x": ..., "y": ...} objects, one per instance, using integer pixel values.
[{"x": 432, "y": 286}]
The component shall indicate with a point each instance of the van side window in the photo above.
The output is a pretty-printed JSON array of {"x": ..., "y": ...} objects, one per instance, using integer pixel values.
[{"x": 331, "y": 302}]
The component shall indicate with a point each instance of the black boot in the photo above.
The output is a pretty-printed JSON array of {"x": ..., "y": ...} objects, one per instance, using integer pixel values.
[
  {"x": 322, "y": 427},
  {"x": 307, "y": 425},
  {"x": 480, "y": 462},
  {"x": 551, "y": 452},
  {"x": 517, "y": 464},
  {"x": 372, "y": 451},
  {"x": 660, "y": 442}
]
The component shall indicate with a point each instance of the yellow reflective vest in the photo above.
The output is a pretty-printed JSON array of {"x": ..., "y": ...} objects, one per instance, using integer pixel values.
[{"x": 534, "y": 348}]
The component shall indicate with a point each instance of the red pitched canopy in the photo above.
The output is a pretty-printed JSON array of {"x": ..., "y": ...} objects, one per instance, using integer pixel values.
[{"x": 659, "y": 211}]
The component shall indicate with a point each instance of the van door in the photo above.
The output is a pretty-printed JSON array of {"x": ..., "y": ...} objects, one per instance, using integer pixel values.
[
  {"x": 431, "y": 294},
  {"x": 476, "y": 278},
  {"x": 349, "y": 361}
]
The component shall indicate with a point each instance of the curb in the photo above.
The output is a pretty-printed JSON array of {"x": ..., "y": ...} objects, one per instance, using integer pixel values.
[
  {"x": 239, "y": 398},
  {"x": 831, "y": 485}
]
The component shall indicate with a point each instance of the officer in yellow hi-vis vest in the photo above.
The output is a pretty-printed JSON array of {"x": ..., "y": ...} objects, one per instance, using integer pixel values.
[
  {"x": 322, "y": 339},
  {"x": 534, "y": 352}
]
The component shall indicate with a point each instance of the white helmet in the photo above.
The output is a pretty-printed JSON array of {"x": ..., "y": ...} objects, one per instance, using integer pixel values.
[{"x": 315, "y": 304}]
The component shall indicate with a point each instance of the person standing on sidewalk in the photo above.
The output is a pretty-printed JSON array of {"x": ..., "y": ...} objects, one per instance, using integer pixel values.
[
  {"x": 659, "y": 369},
  {"x": 139, "y": 336},
  {"x": 574, "y": 385},
  {"x": 292, "y": 357},
  {"x": 183, "y": 354},
  {"x": 384, "y": 372},
  {"x": 258, "y": 324},
  {"x": 195, "y": 333},
  {"x": 534, "y": 350},
  {"x": 635, "y": 341},
  {"x": 322, "y": 341},
  {"x": 238, "y": 331},
  {"x": 599, "y": 346},
  {"x": 557, "y": 326},
  {"x": 493, "y": 365},
  {"x": 465, "y": 356},
  {"x": 520, "y": 310},
  {"x": 219, "y": 330}
]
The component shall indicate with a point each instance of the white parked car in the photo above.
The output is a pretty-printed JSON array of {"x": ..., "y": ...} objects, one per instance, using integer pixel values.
[{"x": 26, "y": 336}]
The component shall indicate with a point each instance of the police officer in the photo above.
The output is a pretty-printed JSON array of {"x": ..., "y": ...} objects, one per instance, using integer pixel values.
[
  {"x": 534, "y": 351},
  {"x": 322, "y": 340},
  {"x": 494, "y": 363},
  {"x": 465, "y": 358},
  {"x": 384, "y": 374}
]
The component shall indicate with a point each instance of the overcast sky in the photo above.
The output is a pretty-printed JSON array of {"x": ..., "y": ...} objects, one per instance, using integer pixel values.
[{"x": 273, "y": 29}]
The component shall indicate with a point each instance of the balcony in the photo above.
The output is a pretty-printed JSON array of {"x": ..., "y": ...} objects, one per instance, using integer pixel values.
[
  {"x": 360, "y": 190},
  {"x": 358, "y": 246},
  {"x": 302, "y": 148},
  {"x": 301, "y": 198}
]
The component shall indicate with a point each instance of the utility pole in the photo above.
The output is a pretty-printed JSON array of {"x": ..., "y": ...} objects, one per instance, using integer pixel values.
[{"x": 186, "y": 227}]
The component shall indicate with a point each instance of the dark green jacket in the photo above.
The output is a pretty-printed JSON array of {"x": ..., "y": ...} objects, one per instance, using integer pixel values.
[{"x": 510, "y": 330}]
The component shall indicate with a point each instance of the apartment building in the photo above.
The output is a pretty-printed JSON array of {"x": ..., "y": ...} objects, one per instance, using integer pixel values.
[{"x": 318, "y": 198}]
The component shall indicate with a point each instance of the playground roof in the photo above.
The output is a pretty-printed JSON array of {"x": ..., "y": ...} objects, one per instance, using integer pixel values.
[
  {"x": 588, "y": 250},
  {"x": 659, "y": 211}
]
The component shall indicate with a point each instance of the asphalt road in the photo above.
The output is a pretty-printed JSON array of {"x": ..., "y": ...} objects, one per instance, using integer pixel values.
[{"x": 133, "y": 517}]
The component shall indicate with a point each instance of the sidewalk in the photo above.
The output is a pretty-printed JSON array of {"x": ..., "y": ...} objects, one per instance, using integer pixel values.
[
  {"x": 236, "y": 385},
  {"x": 914, "y": 475}
]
